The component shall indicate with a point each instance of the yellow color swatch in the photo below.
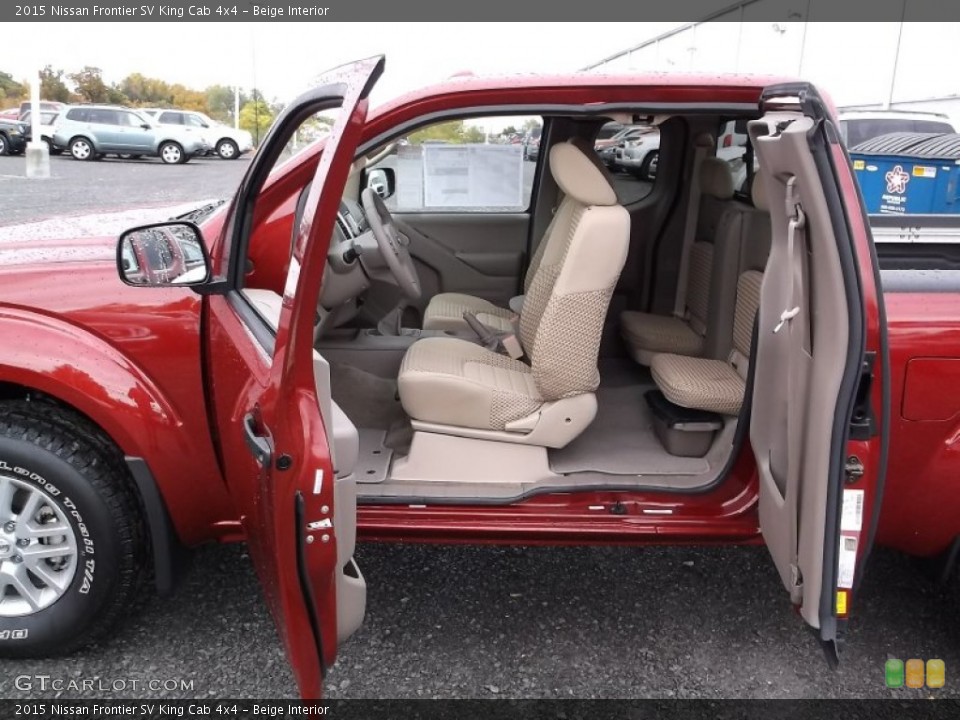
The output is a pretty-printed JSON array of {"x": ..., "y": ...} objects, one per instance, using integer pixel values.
[{"x": 936, "y": 673}]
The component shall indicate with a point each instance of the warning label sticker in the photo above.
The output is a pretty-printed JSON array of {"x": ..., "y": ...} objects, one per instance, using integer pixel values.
[
  {"x": 847, "y": 561},
  {"x": 851, "y": 515},
  {"x": 924, "y": 171}
]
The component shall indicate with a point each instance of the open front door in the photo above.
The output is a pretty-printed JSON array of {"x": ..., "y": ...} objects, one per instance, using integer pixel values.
[
  {"x": 270, "y": 396},
  {"x": 818, "y": 413}
]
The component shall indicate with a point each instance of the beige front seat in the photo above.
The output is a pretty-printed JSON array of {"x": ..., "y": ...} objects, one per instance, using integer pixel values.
[
  {"x": 714, "y": 385},
  {"x": 457, "y": 387},
  {"x": 445, "y": 310},
  {"x": 647, "y": 334}
]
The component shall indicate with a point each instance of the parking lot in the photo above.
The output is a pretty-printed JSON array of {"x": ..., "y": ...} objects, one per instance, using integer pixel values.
[{"x": 480, "y": 621}]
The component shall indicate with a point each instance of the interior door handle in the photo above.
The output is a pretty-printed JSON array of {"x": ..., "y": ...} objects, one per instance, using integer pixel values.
[{"x": 259, "y": 445}]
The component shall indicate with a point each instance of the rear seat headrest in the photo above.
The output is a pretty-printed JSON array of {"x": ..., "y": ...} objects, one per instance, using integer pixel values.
[
  {"x": 758, "y": 192},
  {"x": 716, "y": 178},
  {"x": 580, "y": 174}
]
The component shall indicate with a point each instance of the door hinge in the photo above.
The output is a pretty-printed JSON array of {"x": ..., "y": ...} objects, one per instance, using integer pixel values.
[{"x": 863, "y": 423}]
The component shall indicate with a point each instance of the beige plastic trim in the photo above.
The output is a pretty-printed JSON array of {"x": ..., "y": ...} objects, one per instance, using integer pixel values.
[
  {"x": 436, "y": 457},
  {"x": 554, "y": 425}
]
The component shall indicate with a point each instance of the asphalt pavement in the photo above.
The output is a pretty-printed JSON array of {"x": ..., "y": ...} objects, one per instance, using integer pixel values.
[{"x": 483, "y": 622}]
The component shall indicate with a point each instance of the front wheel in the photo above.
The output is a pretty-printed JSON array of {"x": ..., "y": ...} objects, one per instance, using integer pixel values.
[
  {"x": 4, "y": 145},
  {"x": 648, "y": 168},
  {"x": 228, "y": 149},
  {"x": 72, "y": 542},
  {"x": 82, "y": 149},
  {"x": 172, "y": 154}
]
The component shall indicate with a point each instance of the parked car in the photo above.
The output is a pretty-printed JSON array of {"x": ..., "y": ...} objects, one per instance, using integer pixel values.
[
  {"x": 227, "y": 142},
  {"x": 141, "y": 414},
  {"x": 640, "y": 156},
  {"x": 10, "y": 114},
  {"x": 607, "y": 148},
  {"x": 531, "y": 143},
  {"x": 90, "y": 131},
  {"x": 48, "y": 121},
  {"x": 13, "y": 137},
  {"x": 858, "y": 126},
  {"x": 45, "y": 106}
]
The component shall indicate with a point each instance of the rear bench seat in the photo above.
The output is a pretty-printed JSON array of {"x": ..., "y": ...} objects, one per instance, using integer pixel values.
[
  {"x": 693, "y": 393},
  {"x": 716, "y": 241}
]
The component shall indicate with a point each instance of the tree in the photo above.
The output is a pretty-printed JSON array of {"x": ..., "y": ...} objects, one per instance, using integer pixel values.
[
  {"x": 220, "y": 99},
  {"x": 531, "y": 124},
  {"x": 473, "y": 134},
  {"x": 256, "y": 117},
  {"x": 52, "y": 86},
  {"x": 90, "y": 85},
  {"x": 10, "y": 89},
  {"x": 509, "y": 130}
]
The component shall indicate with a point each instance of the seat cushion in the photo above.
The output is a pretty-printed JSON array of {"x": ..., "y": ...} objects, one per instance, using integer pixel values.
[
  {"x": 456, "y": 382},
  {"x": 445, "y": 312},
  {"x": 647, "y": 334},
  {"x": 699, "y": 383}
]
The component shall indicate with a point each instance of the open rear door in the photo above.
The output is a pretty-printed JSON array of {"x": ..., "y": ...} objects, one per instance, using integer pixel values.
[
  {"x": 275, "y": 426},
  {"x": 818, "y": 416}
]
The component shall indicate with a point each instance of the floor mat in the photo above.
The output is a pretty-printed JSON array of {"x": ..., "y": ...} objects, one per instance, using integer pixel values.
[
  {"x": 621, "y": 440},
  {"x": 370, "y": 401}
]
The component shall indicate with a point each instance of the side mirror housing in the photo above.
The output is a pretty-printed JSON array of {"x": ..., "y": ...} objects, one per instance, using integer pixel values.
[
  {"x": 168, "y": 254},
  {"x": 383, "y": 181}
]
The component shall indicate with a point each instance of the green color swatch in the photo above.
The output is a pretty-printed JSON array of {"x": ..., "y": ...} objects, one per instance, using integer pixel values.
[{"x": 893, "y": 673}]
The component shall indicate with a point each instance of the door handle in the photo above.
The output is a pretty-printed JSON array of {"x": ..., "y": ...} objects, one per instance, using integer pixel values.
[{"x": 259, "y": 445}]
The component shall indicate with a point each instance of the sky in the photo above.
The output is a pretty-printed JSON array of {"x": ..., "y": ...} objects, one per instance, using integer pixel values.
[{"x": 854, "y": 62}]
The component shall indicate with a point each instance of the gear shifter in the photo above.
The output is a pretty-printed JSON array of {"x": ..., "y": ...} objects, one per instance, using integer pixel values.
[{"x": 391, "y": 324}]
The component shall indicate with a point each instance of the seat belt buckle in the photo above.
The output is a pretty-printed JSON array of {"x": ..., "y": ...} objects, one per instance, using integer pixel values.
[{"x": 512, "y": 346}]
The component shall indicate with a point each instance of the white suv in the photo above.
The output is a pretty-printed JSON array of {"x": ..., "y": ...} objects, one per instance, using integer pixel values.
[{"x": 227, "y": 142}]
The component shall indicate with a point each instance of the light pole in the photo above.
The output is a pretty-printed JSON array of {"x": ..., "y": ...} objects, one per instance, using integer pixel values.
[
  {"x": 38, "y": 154},
  {"x": 896, "y": 57}
]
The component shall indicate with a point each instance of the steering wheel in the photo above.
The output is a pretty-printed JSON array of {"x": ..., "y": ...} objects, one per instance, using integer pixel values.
[{"x": 393, "y": 247}]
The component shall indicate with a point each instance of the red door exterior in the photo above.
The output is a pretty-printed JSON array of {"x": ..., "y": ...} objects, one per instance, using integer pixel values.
[{"x": 272, "y": 443}]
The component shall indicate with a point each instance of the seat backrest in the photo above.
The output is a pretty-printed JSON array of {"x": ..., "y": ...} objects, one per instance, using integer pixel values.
[
  {"x": 744, "y": 316},
  {"x": 713, "y": 223},
  {"x": 565, "y": 307},
  {"x": 562, "y": 213}
]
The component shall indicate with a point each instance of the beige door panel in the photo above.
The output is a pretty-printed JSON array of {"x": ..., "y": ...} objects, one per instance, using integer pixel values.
[{"x": 799, "y": 368}]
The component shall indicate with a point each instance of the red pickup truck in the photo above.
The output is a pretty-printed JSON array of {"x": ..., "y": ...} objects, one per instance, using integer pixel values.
[{"x": 340, "y": 352}]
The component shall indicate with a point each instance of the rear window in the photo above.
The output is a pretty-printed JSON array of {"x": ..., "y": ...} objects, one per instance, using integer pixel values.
[{"x": 609, "y": 130}]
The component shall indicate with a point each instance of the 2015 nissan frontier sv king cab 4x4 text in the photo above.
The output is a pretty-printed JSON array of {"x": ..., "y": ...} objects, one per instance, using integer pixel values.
[{"x": 380, "y": 338}]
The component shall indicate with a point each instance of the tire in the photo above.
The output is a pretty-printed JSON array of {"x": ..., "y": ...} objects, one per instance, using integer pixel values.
[
  {"x": 228, "y": 149},
  {"x": 4, "y": 145},
  {"x": 648, "y": 169},
  {"x": 172, "y": 154},
  {"x": 82, "y": 149},
  {"x": 71, "y": 476}
]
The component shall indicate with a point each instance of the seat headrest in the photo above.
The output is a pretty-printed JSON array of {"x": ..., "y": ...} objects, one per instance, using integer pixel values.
[
  {"x": 580, "y": 174},
  {"x": 758, "y": 193},
  {"x": 716, "y": 178}
]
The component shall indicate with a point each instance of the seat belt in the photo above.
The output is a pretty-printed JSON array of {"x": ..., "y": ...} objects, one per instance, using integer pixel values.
[
  {"x": 702, "y": 144},
  {"x": 796, "y": 396}
]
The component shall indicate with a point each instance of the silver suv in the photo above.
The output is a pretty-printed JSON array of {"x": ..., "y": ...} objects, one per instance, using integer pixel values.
[{"x": 91, "y": 131}]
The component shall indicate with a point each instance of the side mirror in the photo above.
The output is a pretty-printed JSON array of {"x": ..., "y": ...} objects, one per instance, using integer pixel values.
[
  {"x": 145, "y": 126},
  {"x": 383, "y": 181},
  {"x": 163, "y": 255}
]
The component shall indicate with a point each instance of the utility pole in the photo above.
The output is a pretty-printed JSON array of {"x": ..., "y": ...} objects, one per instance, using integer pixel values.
[{"x": 236, "y": 107}]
